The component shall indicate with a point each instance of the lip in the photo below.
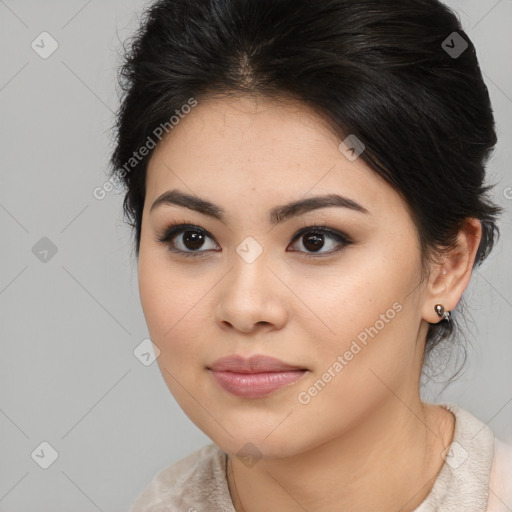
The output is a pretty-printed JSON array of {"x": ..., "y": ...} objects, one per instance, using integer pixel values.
[
  {"x": 257, "y": 363},
  {"x": 254, "y": 377}
]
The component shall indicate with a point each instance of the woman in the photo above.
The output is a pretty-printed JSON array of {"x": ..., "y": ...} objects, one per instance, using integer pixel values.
[{"x": 305, "y": 180}]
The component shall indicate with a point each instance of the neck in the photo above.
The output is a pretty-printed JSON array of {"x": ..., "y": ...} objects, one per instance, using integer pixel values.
[{"x": 388, "y": 463}]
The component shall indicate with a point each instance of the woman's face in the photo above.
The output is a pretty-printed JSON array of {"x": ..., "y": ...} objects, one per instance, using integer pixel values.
[{"x": 348, "y": 315}]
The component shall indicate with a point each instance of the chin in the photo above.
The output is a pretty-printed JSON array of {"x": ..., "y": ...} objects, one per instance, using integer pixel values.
[
  {"x": 252, "y": 451},
  {"x": 254, "y": 442}
]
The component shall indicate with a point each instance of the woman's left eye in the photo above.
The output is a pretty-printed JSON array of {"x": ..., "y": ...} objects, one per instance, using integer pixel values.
[
  {"x": 187, "y": 239},
  {"x": 313, "y": 238}
]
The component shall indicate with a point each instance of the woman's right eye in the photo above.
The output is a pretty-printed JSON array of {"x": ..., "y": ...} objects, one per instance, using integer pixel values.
[{"x": 185, "y": 239}]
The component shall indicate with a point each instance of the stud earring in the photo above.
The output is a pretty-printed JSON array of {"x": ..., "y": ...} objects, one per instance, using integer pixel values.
[{"x": 440, "y": 310}]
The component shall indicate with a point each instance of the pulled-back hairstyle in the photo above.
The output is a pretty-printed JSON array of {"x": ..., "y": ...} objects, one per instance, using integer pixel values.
[{"x": 390, "y": 72}]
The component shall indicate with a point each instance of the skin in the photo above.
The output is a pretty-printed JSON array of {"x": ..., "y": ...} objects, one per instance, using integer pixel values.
[{"x": 366, "y": 441}]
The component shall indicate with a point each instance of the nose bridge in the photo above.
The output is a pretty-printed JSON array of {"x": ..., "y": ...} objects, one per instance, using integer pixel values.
[
  {"x": 250, "y": 265},
  {"x": 250, "y": 250},
  {"x": 247, "y": 297}
]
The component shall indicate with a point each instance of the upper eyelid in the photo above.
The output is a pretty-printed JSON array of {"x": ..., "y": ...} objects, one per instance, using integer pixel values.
[{"x": 180, "y": 227}]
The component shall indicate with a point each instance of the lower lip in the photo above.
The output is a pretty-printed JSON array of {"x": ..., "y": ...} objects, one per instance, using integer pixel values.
[{"x": 255, "y": 385}]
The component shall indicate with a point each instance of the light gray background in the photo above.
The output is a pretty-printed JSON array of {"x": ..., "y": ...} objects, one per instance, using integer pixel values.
[{"x": 69, "y": 326}]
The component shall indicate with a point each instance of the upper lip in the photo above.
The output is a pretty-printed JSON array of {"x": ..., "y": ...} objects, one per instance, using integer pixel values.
[{"x": 253, "y": 364}]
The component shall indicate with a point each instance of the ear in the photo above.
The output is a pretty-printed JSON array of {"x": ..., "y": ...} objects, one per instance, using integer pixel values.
[{"x": 450, "y": 276}]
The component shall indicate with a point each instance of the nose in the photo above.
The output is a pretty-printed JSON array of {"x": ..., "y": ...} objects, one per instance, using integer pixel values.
[{"x": 250, "y": 298}]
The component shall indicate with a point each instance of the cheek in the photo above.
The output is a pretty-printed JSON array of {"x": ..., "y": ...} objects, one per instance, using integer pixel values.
[
  {"x": 172, "y": 308},
  {"x": 173, "y": 302},
  {"x": 368, "y": 317},
  {"x": 366, "y": 288},
  {"x": 155, "y": 289},
  {"x": 158, "y": 291}
]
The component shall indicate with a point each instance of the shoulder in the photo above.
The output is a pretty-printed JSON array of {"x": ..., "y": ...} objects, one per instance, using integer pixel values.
[
  {"x": 196, "y": 482},
  {"x": 500, "y": 484}
]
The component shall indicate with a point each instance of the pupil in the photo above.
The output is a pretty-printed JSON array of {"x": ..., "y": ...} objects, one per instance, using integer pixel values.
[
  {"x": 193, "y": 239},
  {"x": 317, "y": 243}
]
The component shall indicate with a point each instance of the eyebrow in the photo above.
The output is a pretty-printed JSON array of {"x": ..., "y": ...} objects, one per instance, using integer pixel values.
[{"x": 278, "y": 214}]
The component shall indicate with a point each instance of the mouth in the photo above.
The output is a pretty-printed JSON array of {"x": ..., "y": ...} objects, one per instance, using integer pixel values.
[{"x": 254, "y": 377}]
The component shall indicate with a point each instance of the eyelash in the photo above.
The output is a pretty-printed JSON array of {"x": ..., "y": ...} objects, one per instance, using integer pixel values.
[{"x": 177, "y": 228}]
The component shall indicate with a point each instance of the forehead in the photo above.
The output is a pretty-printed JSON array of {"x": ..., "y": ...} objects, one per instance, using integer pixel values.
[{"x": 261, "y": 150}]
